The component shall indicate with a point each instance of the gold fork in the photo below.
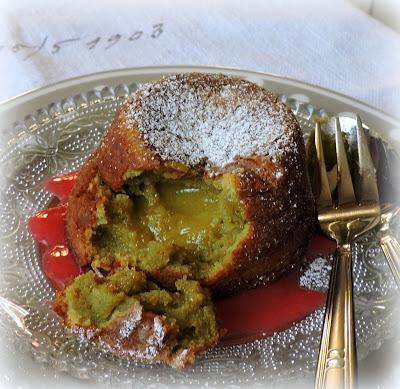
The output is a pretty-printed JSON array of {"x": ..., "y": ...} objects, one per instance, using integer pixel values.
[{"x": 343, "y": 218}]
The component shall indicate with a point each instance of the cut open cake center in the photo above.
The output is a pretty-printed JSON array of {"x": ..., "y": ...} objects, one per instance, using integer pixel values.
[{"x": 189, "y": 225}]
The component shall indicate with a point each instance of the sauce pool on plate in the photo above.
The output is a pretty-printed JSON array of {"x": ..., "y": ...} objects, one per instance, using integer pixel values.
[{"x": 247, "y": 316}]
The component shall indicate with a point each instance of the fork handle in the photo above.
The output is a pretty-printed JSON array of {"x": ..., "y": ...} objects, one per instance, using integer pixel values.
[
  {"x": 391, "y": 249},
  {"x": 337, "y": 359}
]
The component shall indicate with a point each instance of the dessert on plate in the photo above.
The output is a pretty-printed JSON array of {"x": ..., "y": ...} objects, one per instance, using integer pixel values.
[{"x": 200, "y": 183}]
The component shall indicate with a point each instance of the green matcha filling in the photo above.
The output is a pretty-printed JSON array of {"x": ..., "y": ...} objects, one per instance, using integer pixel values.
[
  {"x": 188, "y": 225},
  {"x": 94, "y": 301}
]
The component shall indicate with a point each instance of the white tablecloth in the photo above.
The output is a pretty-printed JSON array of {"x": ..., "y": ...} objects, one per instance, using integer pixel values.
[{"x": 329, "y": 43}]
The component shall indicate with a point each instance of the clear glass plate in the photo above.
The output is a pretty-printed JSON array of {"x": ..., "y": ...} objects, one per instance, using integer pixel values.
[{"x": 57, "y": 139}]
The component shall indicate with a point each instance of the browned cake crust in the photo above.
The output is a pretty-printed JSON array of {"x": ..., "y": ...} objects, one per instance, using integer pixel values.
[{"x": 273, "y": 186}]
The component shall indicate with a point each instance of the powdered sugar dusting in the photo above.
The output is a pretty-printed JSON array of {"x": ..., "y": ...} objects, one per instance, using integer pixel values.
[
  {"x": 131, "y": 322},
  {"x": 210, "y": 119},
  {"x": 316, "y": 275}
]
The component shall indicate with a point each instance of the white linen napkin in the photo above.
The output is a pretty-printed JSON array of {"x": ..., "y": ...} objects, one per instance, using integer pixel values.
[{"x": 329, "y": 43}]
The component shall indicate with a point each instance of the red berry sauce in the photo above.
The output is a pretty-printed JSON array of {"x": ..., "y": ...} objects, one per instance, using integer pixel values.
[{"x": 250, "y": 315}]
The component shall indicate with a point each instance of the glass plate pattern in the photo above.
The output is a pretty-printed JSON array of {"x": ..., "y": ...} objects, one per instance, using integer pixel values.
[{"x": 57, "y": 139}]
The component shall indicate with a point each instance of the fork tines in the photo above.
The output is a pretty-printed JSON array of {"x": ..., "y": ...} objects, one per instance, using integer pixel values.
[
  {"x": 368, "y": 190},
  {"x": 368, "y": 185},
  {"x": 345, "y": 190},
  {"x": 325, "y": 197}
]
